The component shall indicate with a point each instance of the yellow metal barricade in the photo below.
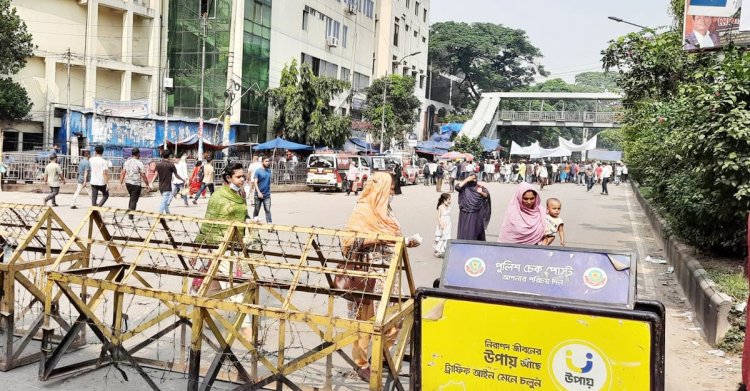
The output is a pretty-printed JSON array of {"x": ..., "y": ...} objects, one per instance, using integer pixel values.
[{"x": 224, "y": 303}]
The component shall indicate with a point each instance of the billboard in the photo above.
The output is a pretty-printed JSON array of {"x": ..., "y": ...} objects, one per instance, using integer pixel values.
[
  {"x": 713, "y": 24},
  {"x": 518, "y": 344},
  {"x": 563, "y": 273}
]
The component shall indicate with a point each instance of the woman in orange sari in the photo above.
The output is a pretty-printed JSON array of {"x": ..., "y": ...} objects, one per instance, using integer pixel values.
[
  {"x": 195, "y": 178},
  {"x": 372, "y": 215}
]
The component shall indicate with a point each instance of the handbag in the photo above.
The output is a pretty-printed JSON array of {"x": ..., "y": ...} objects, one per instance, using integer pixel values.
[
  {"x": 354, "y": 284},
  {"x": 185, "y": 191}
]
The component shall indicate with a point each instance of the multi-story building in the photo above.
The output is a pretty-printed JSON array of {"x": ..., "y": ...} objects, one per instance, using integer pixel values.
[
  {"x": 115, "y": 49},
  {"x": 238, "y": 47},
  {"x": 402, "y": 29},
  {"x": 335, "y": 37}
]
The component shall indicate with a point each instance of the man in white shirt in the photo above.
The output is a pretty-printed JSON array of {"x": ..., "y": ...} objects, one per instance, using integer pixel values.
[
  {"x": 606, "y": 175},
  {"x": 702, "y": 37},
  {"x": 99, "y": 177},
  {"x": 250, "y": 178}
]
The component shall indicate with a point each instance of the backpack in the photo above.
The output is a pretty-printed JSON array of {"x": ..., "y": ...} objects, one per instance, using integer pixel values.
[{"x": 200, "y": 174}]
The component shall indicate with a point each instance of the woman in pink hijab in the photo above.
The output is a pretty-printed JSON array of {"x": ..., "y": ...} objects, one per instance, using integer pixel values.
[{"x": 524, "y": 218}]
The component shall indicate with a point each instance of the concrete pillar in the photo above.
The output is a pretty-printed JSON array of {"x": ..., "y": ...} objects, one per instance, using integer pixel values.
[
  {"x": 90, "y": 62},
  {"x": 126, "y": 85},
  {"x": 53, "y": 95},
  {"x": 20, "y": 141},
  {"x": 127, "y": 35}
]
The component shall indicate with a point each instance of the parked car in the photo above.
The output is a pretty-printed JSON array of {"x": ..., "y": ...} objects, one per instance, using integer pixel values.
[
  {"x": 409, "y": 169},
  {"x": 328, "y": 170}
]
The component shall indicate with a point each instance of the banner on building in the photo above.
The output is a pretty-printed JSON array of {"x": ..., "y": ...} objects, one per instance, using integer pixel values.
[
  {"x": 116, "y": 108},
  {"x": 713, "y": 24},
  {"x": 123, "y": 131}
]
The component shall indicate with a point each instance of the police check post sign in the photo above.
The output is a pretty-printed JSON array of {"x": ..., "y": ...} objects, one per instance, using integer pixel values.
[{"x": 591, "y": 276}]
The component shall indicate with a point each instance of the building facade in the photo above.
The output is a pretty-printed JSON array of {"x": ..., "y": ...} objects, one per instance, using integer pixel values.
[
  {"x": 402, "y": 29},
  {"x": 113, "y": 49},
  {"x": 238, "y": 44},
  {"x": 334, "y": 37}
]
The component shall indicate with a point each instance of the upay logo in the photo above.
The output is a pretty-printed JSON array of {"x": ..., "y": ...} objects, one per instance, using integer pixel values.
[{"x": 579, "y": 366}]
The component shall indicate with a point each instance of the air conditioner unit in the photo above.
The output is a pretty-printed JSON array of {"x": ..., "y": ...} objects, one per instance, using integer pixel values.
[
  {"x": 332, "y": 41},
  {"x": 350, "y": 7}
]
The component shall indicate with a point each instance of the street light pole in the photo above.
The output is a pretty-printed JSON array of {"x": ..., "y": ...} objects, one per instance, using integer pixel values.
[
  {"x": 385, "y": 90},
  {"x": 620, "y": 20}
]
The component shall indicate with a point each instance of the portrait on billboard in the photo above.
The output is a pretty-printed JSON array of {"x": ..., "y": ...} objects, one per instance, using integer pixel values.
[
  {"x": 713, "y": 24},
  {"x": 700, "y": 32}
]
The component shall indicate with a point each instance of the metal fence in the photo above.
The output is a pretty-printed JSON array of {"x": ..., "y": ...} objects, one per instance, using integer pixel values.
[
  {"x": 24, "y": 167},
  {"x": 569, "y": 116}
]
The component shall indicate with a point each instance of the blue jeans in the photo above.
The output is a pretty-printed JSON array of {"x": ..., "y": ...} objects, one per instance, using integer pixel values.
[
  {"x": 210, "y": 187},
  {"x": 266, "y": 202},
  {"x": 166, "y": 198},
  {"x": 176, "y": 188}
]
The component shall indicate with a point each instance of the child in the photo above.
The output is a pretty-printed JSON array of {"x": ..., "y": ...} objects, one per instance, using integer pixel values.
[
  {"x": 443, "y": 229},
  {"x": 554, "y": 223}
]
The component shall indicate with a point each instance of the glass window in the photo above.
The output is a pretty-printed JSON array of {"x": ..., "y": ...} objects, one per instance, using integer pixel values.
[
  {"x": 424, "y": 15},
  {"x": 345, "y": 74},
  {"x": 416, "y": 8},
  {"x": 395, "y": 34},
  {"x": 318, "y": 161},
  {"x": 305, "y": 17},
  {"x": 345, "y": 37}
]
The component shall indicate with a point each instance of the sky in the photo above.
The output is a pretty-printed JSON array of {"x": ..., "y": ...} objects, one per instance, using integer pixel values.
[{"x": 570, "y": 33}]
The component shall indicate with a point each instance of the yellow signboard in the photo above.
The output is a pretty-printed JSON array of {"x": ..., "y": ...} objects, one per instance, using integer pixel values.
[{"x": 468, "y": 345}]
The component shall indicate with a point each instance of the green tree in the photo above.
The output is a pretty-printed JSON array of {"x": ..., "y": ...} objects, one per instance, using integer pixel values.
[
  {"x": 465, "y": 144},
  {"x": 486, "y": 56},
  {"x": 15, "y": 46},
  {"x": 400, "y": 106},
  {"x": 302, "y": 107},
  {"x": 685, "y": 133},
  {"x": 597, "y": 82}
]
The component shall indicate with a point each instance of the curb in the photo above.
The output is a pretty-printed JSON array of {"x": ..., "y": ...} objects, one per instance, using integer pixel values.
[{"x": 711, "y": 307}]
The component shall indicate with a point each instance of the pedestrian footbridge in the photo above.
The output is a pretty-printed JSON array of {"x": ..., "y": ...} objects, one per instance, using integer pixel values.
[{"x": 488, "y": 117}]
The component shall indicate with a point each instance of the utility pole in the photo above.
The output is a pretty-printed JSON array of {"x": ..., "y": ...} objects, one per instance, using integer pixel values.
[
  {"x": 67, "y": 116},
  {"x": 204, "y": 23},
  {"x": 382, "y": 117}
]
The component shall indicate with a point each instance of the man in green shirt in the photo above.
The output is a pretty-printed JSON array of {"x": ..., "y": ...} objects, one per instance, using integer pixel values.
[{"x": 53, "y": 176}]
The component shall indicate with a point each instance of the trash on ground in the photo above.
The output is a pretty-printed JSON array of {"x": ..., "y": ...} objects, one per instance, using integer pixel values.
[
  {"x": 741, "y": 307},
  {"x": 695, "y": 343},
  {"x": 670, "y": 270},
  {"x": 717, "y": 352},
  {"x": 657, "y": 261}
]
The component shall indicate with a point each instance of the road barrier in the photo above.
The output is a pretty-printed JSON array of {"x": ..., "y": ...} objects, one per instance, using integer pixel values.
[
  {"x": 32, "y": 237},
  {"x": 222, "y": 303}
]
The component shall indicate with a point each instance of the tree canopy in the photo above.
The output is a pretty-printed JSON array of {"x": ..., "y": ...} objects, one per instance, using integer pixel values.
[
  {"x": 486, "y": 56},
  {"x": 400, "y": 106},
  {"x": 302, "y": 110},
  {"x": 15, "y": 46},
  {"x": 686, "y": 133}
]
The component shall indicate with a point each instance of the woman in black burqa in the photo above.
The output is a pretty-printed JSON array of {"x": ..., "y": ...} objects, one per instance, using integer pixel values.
[{"x": 475, "y": 208}]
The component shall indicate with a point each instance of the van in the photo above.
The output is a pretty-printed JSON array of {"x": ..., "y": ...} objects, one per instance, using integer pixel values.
[
  {"x": 328, "y": 170},
  {"x": 409, "y": 168}
]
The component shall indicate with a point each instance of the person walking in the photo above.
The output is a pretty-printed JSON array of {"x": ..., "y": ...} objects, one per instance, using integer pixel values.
[
  {"x": 475, "y": 209},
  {"x": 208, "y": 180},
  {"x": 524, "y": 221},
  {"x": 606, "y": 174},
  {"x": 590, "y": 177},
  {"x": 166, "y": 170},
  {"x": 624, "y": 173},
  {"x": 53, "y": 176},
  {"x": 179, "y": 184},
  {"x": 84, "y": 175},
  {"x": 99, "y": 177},
  {"x": 453, "y": 171},
  {"x": 426, "y": 174},
  {"x": 133, "y": 174},
  {"x": 351, "y": 179},
  {"x": 439, "y": 172},
  {"x": 262, "y": 190},
  {"x": 249, "y": 180},
  {"x": 443, "y": 229}
]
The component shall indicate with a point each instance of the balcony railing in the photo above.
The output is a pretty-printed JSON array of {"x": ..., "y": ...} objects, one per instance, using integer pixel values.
[{"x": 561, "y": 116}]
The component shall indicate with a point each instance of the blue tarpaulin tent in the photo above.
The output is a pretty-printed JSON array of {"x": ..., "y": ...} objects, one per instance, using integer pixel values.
[
  {"x": 451, "y": 128},
  {"x": 280, "y": 143},
  {"x": 356, "y": 144},
  {"x": 489, "y": 145}
]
